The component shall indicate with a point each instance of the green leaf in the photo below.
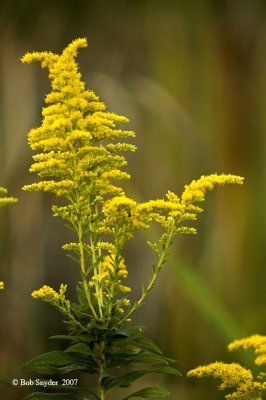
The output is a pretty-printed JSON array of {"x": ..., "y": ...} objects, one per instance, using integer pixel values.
[
  {"x": 119, "y": 361},
  {"x": 126, "y": 380},
  {"x": 75, "y": 259},
  {"x": 81, "y": 338},
  {"x": 81, "y": 312},
  {"x": 127, "y": 334},
  {"x": 81, "y": 294},
  {"x": 149, "y": 393},
  {"x": 55, "y": 358},
  {"x": 127, "y": 350},
  {"x": 65, "y": 337},
  {"x": 147, "y": 357},
  {"x": 81, "y": 348},
  {"x": 74, "y": 389},
  {"x": 167, "y": 370},
  {"x": 50, "y": 396},
  {"x": 69, "y": 368},
  {"x": 154, "y": 247},
  {"x": 149, "y": 344},
  {"x": 59, "y": 362}
]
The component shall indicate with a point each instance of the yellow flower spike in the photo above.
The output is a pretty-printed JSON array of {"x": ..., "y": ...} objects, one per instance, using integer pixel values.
[
  {"x": 232, "y": 376},
  {"x": 45, "y": 293},
  {"x": 255, "y": 342},
  {"x": 196, "y": 190},
  {"x": 74, "y": 122}
]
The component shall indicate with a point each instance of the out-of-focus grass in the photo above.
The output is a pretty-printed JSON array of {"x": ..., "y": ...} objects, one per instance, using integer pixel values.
[{"x": 206, "y": 301}]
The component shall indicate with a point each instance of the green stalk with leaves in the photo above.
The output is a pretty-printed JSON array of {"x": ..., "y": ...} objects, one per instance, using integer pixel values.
[{"x": 79, "y": 159}]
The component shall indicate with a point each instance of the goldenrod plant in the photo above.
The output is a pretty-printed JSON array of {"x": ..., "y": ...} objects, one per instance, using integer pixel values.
[
  {"x": 79, "y": 159},
  {"x": 246, "y": 386},
  {"x": 5, "y": 200}
]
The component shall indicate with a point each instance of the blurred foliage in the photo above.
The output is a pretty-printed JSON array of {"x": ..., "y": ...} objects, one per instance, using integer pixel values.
[{"x": 191, "y": 77}]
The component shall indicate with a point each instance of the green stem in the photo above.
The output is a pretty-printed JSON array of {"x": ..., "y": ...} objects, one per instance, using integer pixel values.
[
  {"x": 119, "y": 243},
  {"x": 156, "y": 271},
  {"x": 67, "y": 312},
  {"x": 102, "y": 394},
  {"x": 101, "y": 369},
  {"x": 75, "y": 201},
  {"x": 97, "y": 271},
  {"x": 83, "y": 270}
]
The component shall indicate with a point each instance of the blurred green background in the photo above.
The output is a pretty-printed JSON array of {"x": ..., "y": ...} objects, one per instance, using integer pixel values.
[{"x": 191, "y": 76}]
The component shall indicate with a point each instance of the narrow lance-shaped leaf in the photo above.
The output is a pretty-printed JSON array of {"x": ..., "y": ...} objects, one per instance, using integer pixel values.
[
  {"x": 149, "y": 393},
  {"x": 51, "y": 396}
]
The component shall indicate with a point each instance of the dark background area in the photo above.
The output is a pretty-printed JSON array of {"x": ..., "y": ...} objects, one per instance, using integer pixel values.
[{"x": 191, "y": 78}]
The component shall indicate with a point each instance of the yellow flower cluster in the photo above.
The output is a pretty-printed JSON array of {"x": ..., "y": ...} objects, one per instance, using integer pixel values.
[
  {"x": 111, "y": 272},
  {"x": 120, "y": 219},
  {"x": 46, "y": 293},
  {"x": 255, "y": 342},
  {"x": 108, "y": 267},
  {"x": 2, "y": 285},
  {"x": 195, "y": 191},
  {"x": 57, "y": 299},
  {"x": 234, "y": 375},
  {"x": 126, "y": 215},
  {"x": 74, "y": 129}
]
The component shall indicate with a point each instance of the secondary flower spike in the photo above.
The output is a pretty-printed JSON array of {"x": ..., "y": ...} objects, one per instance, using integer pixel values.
[{"x": 246, "y": 385}]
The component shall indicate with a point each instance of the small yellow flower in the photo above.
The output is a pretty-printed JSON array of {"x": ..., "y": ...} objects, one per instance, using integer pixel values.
[
  {"x": 46, "y": 293},
  {"x": 2, "y": 285},
  {"x": 124, "y": 289}
]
